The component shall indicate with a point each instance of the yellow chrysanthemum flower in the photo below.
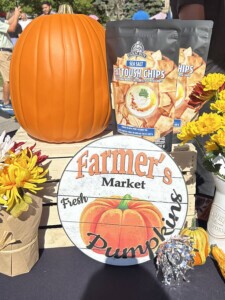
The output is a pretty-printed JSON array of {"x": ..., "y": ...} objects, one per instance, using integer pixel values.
[
  {"x": 208, "y": 123},
  {"x": 221, "y": 95},
  {"x": 188, "y": 132},
  {"x": 213, "y": 81},
  {"x": 223, "y": 122},
  {"x": 211, "y": 125},
  {"x": 20, "y": 172},
  {"x": 219, "y": 138},
  {"x": 210, "y": 146},
  {"x": 219, "y": 106}
]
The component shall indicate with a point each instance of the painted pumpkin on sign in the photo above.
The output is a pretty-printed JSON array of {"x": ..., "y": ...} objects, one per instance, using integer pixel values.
[
  {"x": 58, "y": 76},
  {"x": 122, "y": 223},
  {"x": 200, "y": 243}
]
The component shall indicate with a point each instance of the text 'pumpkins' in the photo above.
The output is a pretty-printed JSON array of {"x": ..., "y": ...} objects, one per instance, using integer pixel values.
[{"x": 58, "y": 77}]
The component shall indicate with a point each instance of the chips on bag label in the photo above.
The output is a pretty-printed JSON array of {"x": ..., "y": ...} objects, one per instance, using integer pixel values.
[
  {"x": 194, "y": 45},
  {"x": 142, "y": 59}
]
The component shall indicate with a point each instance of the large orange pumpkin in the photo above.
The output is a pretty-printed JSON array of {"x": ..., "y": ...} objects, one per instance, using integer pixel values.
[
  {"x": 123, "y": 224},
  {"x": 59, "y": 83}
]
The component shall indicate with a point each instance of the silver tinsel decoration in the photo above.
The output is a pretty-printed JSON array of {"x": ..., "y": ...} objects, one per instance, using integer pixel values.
[{"x": 174, "y": 259}]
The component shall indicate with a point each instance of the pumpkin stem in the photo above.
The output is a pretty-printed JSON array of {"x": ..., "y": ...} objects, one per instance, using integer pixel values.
[
  {"x": 124, "y": 202},
  {"x": 193, "y": 223}
]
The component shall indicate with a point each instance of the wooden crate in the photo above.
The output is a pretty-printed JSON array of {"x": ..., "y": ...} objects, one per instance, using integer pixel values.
[
  {"x": 186, "y": 158},
  {"x": 51, "y": 233}
]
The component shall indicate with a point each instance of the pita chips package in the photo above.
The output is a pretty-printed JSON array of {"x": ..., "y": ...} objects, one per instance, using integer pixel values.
[
  {"x": 142, "y": 59},
  {"x": 194, "y": 45}
]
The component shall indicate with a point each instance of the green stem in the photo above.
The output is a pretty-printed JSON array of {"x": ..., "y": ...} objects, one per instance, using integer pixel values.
[
  {"x": 216, "y": 96},
  {"x": 193, "y": 223},
  {"x": 200, "y": 146},
  {"x": 124, "y": 202}
]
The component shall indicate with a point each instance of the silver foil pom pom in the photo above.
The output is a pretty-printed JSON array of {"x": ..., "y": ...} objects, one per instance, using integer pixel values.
[{"x": 174, "y": 259}]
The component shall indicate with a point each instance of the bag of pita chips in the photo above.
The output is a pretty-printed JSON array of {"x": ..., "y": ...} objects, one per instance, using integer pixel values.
[
  {"x": 142, "y": 59},
  {"x": 194, "y": 45}
]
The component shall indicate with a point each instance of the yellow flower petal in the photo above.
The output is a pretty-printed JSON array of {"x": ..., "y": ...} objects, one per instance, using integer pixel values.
[
  {"x": 20, "y": 173},
  {"x": 213, "y": 81}
]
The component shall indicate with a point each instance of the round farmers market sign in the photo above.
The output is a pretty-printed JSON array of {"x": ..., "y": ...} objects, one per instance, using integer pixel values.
[{"x": 120, "y": 197}]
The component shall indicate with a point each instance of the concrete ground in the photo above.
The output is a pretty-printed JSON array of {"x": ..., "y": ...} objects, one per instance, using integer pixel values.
[{"x": 7, "y": 123}]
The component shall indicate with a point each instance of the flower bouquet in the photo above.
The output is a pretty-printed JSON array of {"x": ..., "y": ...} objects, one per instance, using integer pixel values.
[
  {"x": 209, "y": 125},
  {"x": 21, "y": 174}
]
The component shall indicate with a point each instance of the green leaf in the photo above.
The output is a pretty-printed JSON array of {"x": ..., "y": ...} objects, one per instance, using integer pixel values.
[
  {"x": 18, "y": 209},
  {"x": 143, "y": 93},
  {"x": 210, "y": 166},
  {"x": 210, "y": 155},
  {"x": 27, "y": 199}
]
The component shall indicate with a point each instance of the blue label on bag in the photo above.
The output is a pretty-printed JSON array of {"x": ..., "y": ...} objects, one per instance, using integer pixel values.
[
  {"x": 177, "y": 123},
  {"x": 136, "y": 64},
  {"x": 135, "y": 130}
]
